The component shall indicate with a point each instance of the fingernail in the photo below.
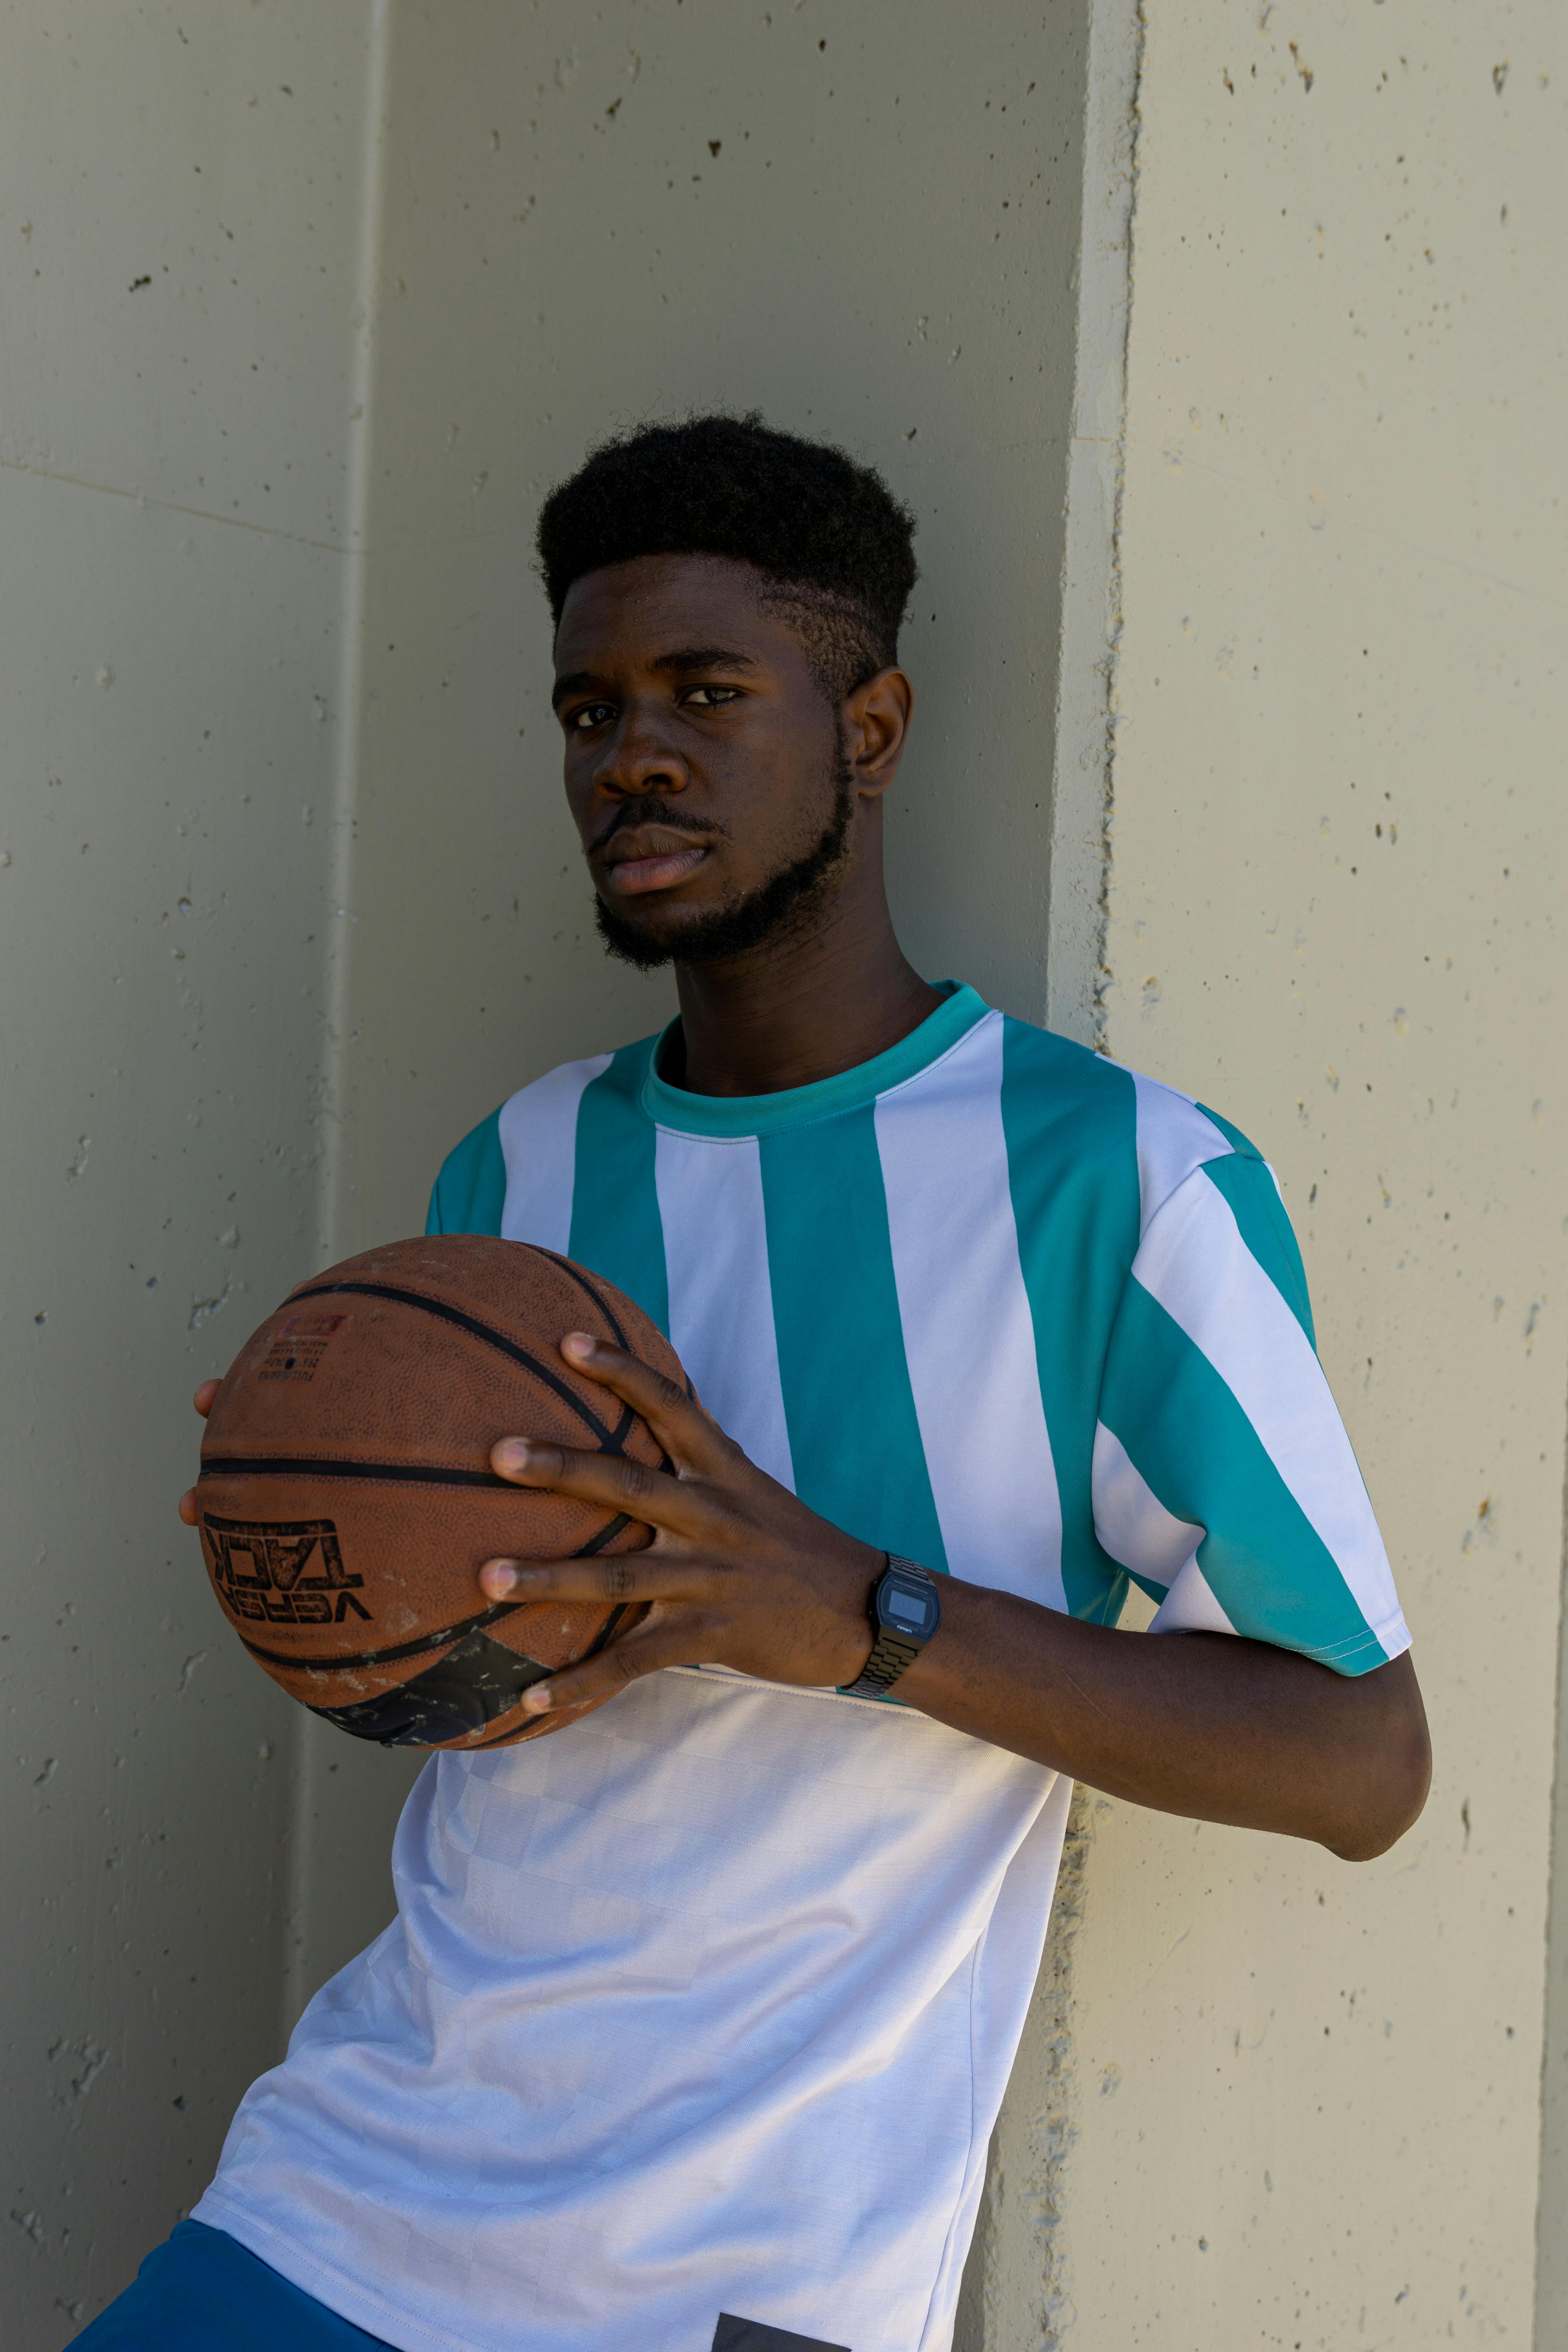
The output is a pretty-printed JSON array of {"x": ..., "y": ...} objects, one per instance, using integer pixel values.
[
  {"x": 537, "y": 1700},
  {"x": 580, "y": 1344},
  {"x": 499, "y": 1577},
  {"x": 513, "y": 1453}
]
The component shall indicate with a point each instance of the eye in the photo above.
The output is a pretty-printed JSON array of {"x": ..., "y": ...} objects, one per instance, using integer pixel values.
[
  {"x": 590, "y": 714},
  {"x": 711, "y": 697}
]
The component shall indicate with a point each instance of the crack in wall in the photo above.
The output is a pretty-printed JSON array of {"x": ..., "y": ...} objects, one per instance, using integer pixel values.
[{"x": 172, "y": 505}]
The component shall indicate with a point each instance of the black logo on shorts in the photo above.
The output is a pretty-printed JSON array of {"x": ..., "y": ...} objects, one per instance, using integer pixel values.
[
  {"x": 734, "y": 2335},
  {"x": 283, "y": 1571}
]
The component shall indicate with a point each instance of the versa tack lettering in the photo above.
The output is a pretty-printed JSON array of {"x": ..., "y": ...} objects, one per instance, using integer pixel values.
[{"x": 288, "y": 1572}]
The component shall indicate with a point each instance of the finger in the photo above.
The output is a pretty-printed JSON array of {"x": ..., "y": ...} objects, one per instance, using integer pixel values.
[
  {"x": 688, "y": 1434},
  {"x": 612, "y": 1479},
  {"x": 642, "y": 1653},
  {"x": 615, "y": 1579},
  {"x": 188, "y": 1508},
  {"x": 205, "y": 1397}
]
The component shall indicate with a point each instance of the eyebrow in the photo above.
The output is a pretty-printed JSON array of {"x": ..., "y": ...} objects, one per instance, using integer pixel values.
[
  {"x": 679, "y": 664},
  {"x": 705, "y": 658}
]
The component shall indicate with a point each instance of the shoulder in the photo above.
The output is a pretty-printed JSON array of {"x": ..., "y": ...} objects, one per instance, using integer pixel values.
[
  {"x": 469, "y": 1194},
  {"x": 1105, "y": 1111},
  {"x": 1177, "y": 1136},
  {"x": 470, "y": 1190},
  {"x": 550, "y": 1105}
]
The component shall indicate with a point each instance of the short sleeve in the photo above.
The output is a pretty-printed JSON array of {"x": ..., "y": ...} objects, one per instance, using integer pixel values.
[
  {"x": 1224, "y": 1480},
  {"x": 469, "y": 1194}
]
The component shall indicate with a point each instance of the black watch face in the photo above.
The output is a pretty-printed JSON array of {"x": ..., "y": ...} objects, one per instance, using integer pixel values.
[{"x": 907, "y": 1606}]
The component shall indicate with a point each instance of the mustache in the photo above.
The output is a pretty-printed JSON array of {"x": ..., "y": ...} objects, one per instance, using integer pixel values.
[{"x": 653, "y": 811}]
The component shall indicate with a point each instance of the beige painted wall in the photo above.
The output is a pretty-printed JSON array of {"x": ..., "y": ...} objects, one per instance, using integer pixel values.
[
  {"x": 591, "y": 217},
  {"x": 1305, "y": 2096},
  {"x": 179, "y": 251}
]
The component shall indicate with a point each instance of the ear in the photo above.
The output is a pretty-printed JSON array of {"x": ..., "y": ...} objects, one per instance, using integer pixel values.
[{"x": 876, "y": 726}]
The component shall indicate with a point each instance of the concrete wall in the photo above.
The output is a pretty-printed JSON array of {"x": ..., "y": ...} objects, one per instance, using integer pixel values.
[
  {"x": 306, "y": 307},
  {"x": 179, "y": 251},
  {"x": 591, "y": 217},
  {"x": 1305, "y": 2096}
]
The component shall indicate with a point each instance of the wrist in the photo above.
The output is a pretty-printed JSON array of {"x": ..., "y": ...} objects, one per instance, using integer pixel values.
[
  {"x": 854, "y": 1633},
  {"x": 905, "y": 1611}
]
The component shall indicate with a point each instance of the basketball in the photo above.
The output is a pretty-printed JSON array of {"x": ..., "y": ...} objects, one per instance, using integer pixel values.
[{"x": 346, "y": 1501}]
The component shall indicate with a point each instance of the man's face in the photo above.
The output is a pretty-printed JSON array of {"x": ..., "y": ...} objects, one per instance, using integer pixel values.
[{"x": 704, "y": 763}]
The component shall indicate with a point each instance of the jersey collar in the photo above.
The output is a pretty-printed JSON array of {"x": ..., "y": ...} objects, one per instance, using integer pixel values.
[{"x": 729, "y": 1118}]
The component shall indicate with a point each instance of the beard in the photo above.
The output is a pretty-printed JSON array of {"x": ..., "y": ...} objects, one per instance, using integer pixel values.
[{"x": 784, "y": 902}]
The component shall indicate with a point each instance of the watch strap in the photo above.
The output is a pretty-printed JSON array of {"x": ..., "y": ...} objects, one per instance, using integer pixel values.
[{"x": 891, "y": 1651}]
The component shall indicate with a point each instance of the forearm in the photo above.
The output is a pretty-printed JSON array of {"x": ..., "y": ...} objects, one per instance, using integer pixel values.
[
  {"x": 742, "y": 1573},
  {"x": 1204, "y": 1725}
]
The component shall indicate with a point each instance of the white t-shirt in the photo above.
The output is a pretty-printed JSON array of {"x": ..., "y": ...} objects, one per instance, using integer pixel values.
[{"x": 706, "y": 2005}]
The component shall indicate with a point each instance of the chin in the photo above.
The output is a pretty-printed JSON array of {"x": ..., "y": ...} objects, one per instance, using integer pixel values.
[
  {"x": 647, "y": 940},
  {"x": 786, "y": 903}
]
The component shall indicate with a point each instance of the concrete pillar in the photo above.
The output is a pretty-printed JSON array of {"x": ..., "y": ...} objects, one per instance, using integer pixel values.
[{"x": 1304, "y": 2099}]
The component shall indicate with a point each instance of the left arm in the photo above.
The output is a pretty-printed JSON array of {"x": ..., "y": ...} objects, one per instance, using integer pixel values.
[{"x": 741, "y": 1573}]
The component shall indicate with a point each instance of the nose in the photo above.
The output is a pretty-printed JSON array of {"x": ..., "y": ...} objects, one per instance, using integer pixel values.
[{"x": 639, "y": 760}]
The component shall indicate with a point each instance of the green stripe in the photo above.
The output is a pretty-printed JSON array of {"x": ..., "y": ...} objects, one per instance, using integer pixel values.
[
  {"x": 1253, "y": 1197},
  {"x": 853, "y": 1437},
  {"x": 616, "y": 1227},
  {"x": 1185, "y": 1433},
  {"x": 470, "y": 1191},
  {"x": 1232, "y": 1135},
  {"x": 1069, "y": 1120}
]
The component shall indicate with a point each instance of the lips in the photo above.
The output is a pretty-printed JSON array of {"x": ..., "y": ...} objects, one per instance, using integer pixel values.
[{"x": 636, "y": 862}]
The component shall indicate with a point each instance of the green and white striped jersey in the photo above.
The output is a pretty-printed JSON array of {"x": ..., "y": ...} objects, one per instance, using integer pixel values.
[
  {"x": 705, "y": 2004},
  {"x": 989, "y": 1301}
]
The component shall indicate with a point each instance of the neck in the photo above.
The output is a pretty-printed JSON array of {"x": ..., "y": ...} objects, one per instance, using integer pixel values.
[{"x": 824, "y": 999}]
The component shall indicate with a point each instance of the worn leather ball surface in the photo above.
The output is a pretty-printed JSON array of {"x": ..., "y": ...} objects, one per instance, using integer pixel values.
[{"x": 347, "y": 1502}]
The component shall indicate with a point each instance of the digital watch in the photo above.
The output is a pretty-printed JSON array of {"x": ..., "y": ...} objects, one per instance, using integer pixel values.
[{"x": 906, "y": 1609}]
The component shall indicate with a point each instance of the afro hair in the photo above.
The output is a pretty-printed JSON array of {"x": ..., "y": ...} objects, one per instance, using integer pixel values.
[{"x": 827, "y": 534}]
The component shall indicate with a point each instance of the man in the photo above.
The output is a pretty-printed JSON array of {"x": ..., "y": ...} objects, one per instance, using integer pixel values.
[{"x": 695, "y": 2019}]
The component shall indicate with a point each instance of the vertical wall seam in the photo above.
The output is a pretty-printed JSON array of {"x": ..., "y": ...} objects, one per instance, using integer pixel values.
[
  {"x": 1017, "y": 2291},
  {"x": 1084, "y": 832},
  {"x": 1056, "y": 2128},
  {"x": 360, "y": 392},
  {"x": 1091, "y": 568},
  {"x": 1114, "y": 605},
  {"x": 1550, "y": 2316},
  {"x": 336, "y": 1040}
]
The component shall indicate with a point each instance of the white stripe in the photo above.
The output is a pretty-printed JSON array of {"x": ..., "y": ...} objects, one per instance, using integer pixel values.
[
  {"x": 1195, "y": 1263},
  {"x": 539, "y": 1144},
  {"x": 721, "y": 1300},
  {"x": 1131, "y": 1522},
  {"x": 969, "y": 1336},
  {"x": 1190, "y": 1607},
  {"x": 1174, "y": 1138}
]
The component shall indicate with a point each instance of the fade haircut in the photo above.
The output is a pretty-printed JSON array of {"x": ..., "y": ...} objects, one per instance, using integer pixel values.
[{"x": 831, "y": 542}]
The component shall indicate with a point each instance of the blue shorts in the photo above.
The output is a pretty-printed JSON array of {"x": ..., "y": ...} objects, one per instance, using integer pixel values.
[{"x": 201, "y": 2291}]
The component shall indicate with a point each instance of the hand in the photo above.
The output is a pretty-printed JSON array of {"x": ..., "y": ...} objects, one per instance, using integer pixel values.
[
  {"x": 204, "y": 1400},
  {"x": 738, "y": 1573}
]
